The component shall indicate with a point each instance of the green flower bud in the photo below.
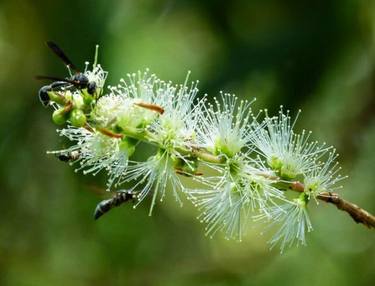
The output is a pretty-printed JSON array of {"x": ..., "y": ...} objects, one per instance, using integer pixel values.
[
  {"x": 58, "y": 98},
  {"x": 59, "y": 116},
  {"x": 77, "y": 118}
]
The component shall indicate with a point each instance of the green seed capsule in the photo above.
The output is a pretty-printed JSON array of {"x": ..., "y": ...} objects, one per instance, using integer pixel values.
[
  {"x": 77, "y": 118},
  {"x": 59, "y": 116}
]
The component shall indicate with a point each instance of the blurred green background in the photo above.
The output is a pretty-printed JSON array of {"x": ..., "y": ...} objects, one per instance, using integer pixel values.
[{"x": 315, "y": 55}]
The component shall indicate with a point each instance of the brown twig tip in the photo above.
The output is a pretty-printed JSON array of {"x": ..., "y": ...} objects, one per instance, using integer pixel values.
[
  {"x": 150, "y": 106},
  {"x": 358, "y": 214}
]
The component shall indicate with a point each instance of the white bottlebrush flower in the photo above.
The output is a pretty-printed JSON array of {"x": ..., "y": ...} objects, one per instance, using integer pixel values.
[
  {"x": 175, "y": 116},
  {"x": 241, "y": 186},
  {"x": 153, "y": 177},
  {"x": 97, "y": 75},
  {"x": 171, "y": 130},
  {"x": 324, "y": 177},
  {"x": 225, "y": 127},
  {"x": 288, "y": 153},
  {"x": 251, "y": 164},
  {"x": 175, "y": 127},
  {"x": 294, "y": 222},
  {"x": 142, "y": 86},
  {"x": 139, "y": 88},
  {"x": 224, "y": 208},
  {"x": 109, "y": 109},
  {"x": 95, "y": 152}
]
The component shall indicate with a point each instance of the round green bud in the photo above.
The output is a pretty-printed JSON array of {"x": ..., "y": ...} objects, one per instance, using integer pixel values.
[
  {"x": 59, "y": 116},
  {"x": 58, "y": 98},
  {"x": 77, "y": 118}
]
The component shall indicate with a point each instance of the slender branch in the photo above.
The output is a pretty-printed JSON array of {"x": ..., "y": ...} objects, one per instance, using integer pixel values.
[
  {"x": 200, "y": 153},
  {"x": 358, "y": 214}
]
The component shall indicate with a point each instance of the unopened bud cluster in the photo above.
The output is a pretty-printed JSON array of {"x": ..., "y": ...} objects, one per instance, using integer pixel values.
[{"x": 242, "y": 164}]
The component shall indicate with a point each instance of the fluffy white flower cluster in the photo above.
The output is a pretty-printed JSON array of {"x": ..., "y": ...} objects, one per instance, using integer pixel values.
[{"x": 243, "y": 163}]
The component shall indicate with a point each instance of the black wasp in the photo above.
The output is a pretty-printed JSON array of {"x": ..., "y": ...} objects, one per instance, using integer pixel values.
[{"x": 78, "y": 80}]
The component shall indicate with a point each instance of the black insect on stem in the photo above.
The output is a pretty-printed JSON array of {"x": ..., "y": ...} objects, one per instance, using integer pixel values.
[
  {"x": 43, "y": 95},
  {"x": 44, "y": 91},
  {"x": 78, "y": 80},
  {"x": 68, "y": 157},
  {"x": 106, "y": 205}
]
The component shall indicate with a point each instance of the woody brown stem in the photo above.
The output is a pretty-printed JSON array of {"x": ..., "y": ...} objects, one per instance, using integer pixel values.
[{"x": 358, "y": 214}]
